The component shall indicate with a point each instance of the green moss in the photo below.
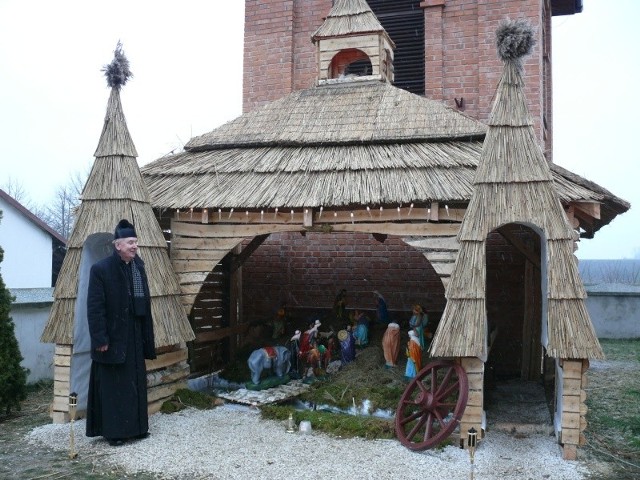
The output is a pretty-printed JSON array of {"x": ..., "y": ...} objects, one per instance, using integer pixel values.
[
  {"x": 339, "y": 425},
  {"x": 184, "y": 398},
  {"x": 382, "y": 397}
]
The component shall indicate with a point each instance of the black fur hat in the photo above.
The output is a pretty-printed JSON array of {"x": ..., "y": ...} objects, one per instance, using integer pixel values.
[{"x": 124, "y": 229}]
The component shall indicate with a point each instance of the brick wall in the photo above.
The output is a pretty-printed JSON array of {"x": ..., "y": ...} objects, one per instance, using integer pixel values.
[
  {"x": 279, "y": 56},
  {"x": 308, "y": 271}
]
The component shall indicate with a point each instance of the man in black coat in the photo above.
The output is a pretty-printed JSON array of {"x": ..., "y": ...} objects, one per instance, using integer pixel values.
[{"x": 121, "y": 329}]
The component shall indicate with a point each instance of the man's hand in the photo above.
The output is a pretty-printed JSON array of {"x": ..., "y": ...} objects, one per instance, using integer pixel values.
[{"x": 103, "y": 348}]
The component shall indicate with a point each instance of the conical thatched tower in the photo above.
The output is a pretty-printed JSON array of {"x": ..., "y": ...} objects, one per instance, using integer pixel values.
[
  {"x": 513, "y": 185},
  {"x": 114, "y": 190}
]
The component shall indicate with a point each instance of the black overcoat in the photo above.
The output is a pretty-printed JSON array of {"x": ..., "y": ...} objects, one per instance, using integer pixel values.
[
  {"x": 109, "y": 307},
  {"x": 117, "y": 396}
]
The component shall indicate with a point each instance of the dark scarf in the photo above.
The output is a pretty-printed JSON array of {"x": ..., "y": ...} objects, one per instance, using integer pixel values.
[{"x": 139, "y": 303}]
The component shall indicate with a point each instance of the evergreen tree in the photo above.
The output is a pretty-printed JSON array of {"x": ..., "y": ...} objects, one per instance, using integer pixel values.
[{"x": 13, "y": 377}]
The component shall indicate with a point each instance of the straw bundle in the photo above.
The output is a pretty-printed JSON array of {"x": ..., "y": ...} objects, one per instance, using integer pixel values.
[
  {"x": 470, "y": 283},
  {"x": 564, "y": 281},
  {"x": 496, "y": 204},
  {"x": 115, "y": 177},
  {"x": 99, "y": 215},
  {"x": 464, "y": 332},
  {"x": 571, "y": 333},
  {"x": 115, "y": 138},
  {"x": 59, "y": 327},
  {"x": 513, "y": 184}
]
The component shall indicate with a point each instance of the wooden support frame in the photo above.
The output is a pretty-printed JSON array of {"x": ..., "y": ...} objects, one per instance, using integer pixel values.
[{"x": 198, "y": 247}]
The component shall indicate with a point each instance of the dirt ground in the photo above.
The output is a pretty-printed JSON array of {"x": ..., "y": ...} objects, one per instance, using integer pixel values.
[{"x": 20, "y": 460}]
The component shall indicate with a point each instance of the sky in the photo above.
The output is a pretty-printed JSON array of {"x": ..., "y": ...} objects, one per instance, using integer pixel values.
[{"x": 186, "y": 58}]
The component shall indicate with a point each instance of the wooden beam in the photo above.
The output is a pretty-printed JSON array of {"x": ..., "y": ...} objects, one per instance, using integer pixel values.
[
  {"x": 591, "y": 209},
  {"x": 305, "y": 217},
  {"x": 520, "y": 246},
  {"x": 221, "y": 333},
  {"x": 433, "y": 214},
  {"x": 196, "y": 230},
  {"x": 402, "y": 229},
  {"x": 238, "y": 260}
]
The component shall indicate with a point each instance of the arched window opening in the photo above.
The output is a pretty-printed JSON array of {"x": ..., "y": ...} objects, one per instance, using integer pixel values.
[{"x": 350, "y": 62}]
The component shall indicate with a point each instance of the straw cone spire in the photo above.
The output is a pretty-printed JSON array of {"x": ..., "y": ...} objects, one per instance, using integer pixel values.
[
  {"x": 115, "y": 190},
  {"x": 512, "y": 171}
]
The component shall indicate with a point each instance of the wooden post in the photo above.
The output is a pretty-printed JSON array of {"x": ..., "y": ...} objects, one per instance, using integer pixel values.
[
  {"x": 573, "y": 416},
  {"x": 61, "y": 383},
  {"x": 474, "y": 412}
]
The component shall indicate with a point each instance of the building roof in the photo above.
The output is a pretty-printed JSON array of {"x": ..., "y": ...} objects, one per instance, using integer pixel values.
[
  {"x": 349, "y": 17},
  {"x": 32, "y": 296},
  {"x": 353, "y": 143},
  {"x": 31, "y": 217}
]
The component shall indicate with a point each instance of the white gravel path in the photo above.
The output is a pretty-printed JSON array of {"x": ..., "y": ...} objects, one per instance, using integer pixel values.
[{"x": 232, "y": 442}]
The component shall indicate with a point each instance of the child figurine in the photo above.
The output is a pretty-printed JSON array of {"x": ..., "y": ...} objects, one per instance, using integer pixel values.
[
  {"x": 414, "y": 356},
  {"x": 391, "y": 345},
  {"x": 362, "y": 329}
]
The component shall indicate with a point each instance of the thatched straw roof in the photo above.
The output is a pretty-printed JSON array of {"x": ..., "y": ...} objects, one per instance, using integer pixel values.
[
  {"x": 348, "y": 17},
  {"x": 338, "y": 145},
  {"x": 347, "y": 113},
  {"x": 115, "y": 190},
  {"x": 513, "y": 184}
]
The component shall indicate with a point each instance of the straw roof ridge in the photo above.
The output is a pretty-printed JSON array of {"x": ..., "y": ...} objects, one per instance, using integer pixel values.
[
  {"x": 621, "y": 204},
  {"x": 350, "y": 114}
]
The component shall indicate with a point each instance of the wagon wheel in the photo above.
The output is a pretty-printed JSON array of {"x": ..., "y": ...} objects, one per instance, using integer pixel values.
[{"x": 432, "y": 405}]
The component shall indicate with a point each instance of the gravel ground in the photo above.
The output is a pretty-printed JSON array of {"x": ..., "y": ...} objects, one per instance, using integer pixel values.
[{"x": 232, "y": 442}]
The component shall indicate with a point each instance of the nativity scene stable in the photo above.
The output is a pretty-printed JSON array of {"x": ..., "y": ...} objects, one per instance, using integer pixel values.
[{"x": 356, "y": 183}]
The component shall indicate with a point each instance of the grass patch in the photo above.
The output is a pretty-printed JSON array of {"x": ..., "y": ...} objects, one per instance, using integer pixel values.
[
  {"x": 613, "y": 400},
  {"x": 336, "y": 424}
]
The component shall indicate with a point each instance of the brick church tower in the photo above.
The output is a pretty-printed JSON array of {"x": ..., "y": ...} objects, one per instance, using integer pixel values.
[{"x": 445, "y": 50}]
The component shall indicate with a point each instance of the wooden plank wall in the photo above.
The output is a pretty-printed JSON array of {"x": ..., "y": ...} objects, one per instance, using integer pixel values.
[
  {"x": 166, "y": 374},
  {"x": 59, "y": 410},
  {"x": 209, "y": 318}
]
